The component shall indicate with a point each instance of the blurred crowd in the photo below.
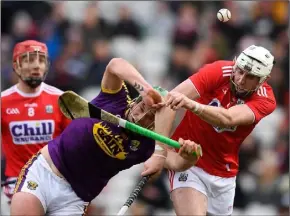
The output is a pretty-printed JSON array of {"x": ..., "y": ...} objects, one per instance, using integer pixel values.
[{"x": 167, "y": 42}]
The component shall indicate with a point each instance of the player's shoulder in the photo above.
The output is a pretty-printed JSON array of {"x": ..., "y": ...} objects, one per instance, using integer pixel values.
[
  {"x": 8, "y": 93},
  {"x": 51, "y": 90},
  {"x": 265, "y": 91},
  {"x": 221, "y": 67},
  {"x": 225, "y": 67},
  {"x": 221, "y": 71},
  {"x": 224, "y": 63}
]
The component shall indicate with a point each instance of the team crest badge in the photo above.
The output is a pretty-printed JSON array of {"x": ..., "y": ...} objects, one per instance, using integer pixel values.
[
  {"x": 134, "y": 145},
  {"x": 183, "y": 177},
  {"x": 49, "y": 109},
  {"x": 31, "y": 185}
]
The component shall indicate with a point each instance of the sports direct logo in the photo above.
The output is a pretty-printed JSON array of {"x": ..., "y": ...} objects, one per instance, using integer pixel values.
[{"x": 31, "y": 132}]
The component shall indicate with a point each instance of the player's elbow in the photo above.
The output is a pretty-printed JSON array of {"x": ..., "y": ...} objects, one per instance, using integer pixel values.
[
  {"x": 227, "y": 123},
  {"x": 227, "y": 120},
  {"x": 115, "y": 64}
]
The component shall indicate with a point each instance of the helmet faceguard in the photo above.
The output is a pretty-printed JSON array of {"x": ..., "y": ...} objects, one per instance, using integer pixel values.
[
  {"x": 137, "y": 102},
  {"x": 27, "y": 56},
  {"x": 256, "y": 61}
]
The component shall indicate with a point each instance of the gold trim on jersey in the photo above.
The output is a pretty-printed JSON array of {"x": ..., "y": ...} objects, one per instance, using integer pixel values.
[
  {"x": 110, "y": 91},
  {"x": 22, "y": 176},
  {"x": 129, "y": 100}
]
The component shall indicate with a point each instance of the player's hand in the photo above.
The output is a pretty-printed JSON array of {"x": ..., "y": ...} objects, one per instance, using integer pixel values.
[
  {"x": 153, "y": 166},
  {"x": 187, "y": 148},
  {"x": 152, "y": 98},
  {"x": 176, "y": 100}
]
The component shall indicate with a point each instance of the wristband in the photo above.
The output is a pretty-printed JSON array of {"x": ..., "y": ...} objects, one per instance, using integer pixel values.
[{"x": 198, "y": 108}]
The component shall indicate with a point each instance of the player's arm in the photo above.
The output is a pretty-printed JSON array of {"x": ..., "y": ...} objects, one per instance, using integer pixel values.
[
  {"x": 119, "y": 70},
  {"x": 165, "y": 117},
  {"x": 243, "y": 114},
  {"x": 176, "y": 163},
  {"x": 180, "y": 161},
  {"x": 221, "y": 117},
  {"x": 199, "y": 83}
]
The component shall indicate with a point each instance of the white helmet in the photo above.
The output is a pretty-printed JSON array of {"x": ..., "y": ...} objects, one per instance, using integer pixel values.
[{"x": 256, "y": 61}]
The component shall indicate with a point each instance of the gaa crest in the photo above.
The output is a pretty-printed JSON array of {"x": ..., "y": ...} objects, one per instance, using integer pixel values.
[{"x": 49, "y": 109}]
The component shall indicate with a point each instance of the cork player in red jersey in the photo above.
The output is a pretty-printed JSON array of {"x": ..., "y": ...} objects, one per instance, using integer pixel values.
[
  {"x": 30, "y": 116},
  {"x": 224, "y": 100}
]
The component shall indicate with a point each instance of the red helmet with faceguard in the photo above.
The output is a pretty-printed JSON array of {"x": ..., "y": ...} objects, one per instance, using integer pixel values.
[{"x": 35, "y": 54}]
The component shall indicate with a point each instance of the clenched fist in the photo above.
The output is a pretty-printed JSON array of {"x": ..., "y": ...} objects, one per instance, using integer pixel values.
[
  {"x": 187, "y": 149},
  {"x": 176, "y": 100},
  {"x": 151, "y": 97}
]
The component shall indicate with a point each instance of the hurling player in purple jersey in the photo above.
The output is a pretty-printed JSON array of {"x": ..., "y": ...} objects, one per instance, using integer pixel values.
[{"x": 67, "y": 174}]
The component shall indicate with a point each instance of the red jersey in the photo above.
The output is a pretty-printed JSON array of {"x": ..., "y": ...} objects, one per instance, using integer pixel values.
[
  {"x": 28, "y": 122},
  {"x": 221, "y": 145}
]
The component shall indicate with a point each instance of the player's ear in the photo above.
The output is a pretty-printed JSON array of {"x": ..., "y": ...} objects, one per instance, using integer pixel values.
[{"x": 15, "y": 68}]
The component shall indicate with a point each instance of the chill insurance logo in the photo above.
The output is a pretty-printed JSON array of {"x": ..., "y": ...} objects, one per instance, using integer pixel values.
[{"x": 31, "y": 132}]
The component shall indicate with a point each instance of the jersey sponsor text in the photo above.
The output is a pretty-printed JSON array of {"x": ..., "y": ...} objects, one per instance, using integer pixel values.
[{"x": 32, "y": 132}]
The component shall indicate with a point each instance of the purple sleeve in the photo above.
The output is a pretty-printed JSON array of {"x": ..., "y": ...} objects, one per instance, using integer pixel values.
[{"x": 114, "y": 103}]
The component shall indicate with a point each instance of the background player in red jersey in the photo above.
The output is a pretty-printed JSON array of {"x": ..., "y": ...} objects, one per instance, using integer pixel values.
[
  {"x": 30, "y": 116},
  {"x": 225, "y": 100}
]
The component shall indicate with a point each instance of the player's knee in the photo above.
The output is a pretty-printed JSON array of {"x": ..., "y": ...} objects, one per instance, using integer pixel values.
[{"x": 23, "y": 203}]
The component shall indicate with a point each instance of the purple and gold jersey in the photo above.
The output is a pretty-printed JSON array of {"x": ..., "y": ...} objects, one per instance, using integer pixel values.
[{"x": 89, "y": 151}]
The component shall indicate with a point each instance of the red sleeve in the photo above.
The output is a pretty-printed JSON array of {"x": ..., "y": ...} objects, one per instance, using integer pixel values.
[
  {"x": 208, "y": 78},
  {"x": 262, "y": 103}
]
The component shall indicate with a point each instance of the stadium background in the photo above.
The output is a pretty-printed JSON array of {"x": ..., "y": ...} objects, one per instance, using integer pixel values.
[{"x": 166, "y": 41}]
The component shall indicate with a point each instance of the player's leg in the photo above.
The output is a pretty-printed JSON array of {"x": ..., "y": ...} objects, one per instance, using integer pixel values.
[
  {"x": 221, "y": 198},
  {"x": 38, "y": 186},
  {"x": 26, "y": 204},
  {"x": 29, "y": 198},
  {"x": 189, "y": 201},
  {"x": 189, "y": 193}
]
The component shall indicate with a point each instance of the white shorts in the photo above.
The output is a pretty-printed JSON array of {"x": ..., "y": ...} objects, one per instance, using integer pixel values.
[
  {"x": 55, "y": 193},
  {"x": 220, "y": 191}
]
